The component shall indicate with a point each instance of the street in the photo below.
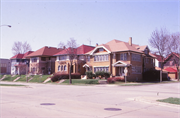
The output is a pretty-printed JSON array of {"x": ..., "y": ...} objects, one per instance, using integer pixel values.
[{"x": 96, "y": 101}]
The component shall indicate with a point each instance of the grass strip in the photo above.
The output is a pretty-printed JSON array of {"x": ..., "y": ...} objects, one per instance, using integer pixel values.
[
  {"x": 81, "y": 82},
  {"x": 11, "y": 85},
  {"x": 171, "y": 100}
]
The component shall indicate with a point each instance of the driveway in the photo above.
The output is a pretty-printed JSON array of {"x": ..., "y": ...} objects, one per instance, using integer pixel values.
[{"x": 97, "y": 101}]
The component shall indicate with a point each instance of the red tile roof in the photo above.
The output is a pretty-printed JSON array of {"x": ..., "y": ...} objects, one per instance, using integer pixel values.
[
  {"x": 158, "y": 57},
  {"x": 66, "y": 51},
  {"x": 84, "y": 49},
  {"x": 18, "y": 56},
  {"x": 27, "y": 53},
  {"x": 169, "y": 69},
  {"x": 21, "y": 56},
  {"x": 45, "y": 51},
  {"x": 79, "y": 51}
]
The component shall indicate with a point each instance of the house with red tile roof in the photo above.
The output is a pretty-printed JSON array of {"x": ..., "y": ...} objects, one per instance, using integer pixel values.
[
  {"x": 117, "y": 56},
  {"x": 19, "y": 63},
  {"x": 62, "y": 59},
  {"x": 172, "y": 64},
  {"x": 42, "y": 61}
]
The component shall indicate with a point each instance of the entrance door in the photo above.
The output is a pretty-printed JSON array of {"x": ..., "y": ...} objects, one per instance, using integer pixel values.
[{"x": 121, "y": 71}]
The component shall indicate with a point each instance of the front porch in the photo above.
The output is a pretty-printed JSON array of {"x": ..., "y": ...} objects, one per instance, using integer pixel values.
[{"x": 120, "y": 68}]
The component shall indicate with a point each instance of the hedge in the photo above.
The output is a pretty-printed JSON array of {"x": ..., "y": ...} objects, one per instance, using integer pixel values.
[{"x": 59, "y": 76}]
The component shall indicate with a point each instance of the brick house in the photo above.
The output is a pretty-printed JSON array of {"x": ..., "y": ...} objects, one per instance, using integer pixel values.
[
  {"x": 19, "y": 63},
  {"x": 42, "y": 61},
  {"x": 116, "y": 56},
  {"x": 5, "y": 66},
  {"x": 62, "y": 60}
]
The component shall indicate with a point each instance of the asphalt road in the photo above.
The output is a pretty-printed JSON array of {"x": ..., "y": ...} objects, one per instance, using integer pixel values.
[{"x": 98, "y": 101}]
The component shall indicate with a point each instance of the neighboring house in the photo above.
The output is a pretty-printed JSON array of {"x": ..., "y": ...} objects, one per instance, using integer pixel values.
[
  {"x": 62, "y": 60},
  {"x": 171, "y": 60},
  {"x": 172, "y": 72},
  {"x": 170, "y": 64},
  {"x": 42, "y": 61},
  {"x": 19, "y": 63},
  {"x": 158, "y": 60},
  {"x": 117, "y": 56},
  {"x": 5, "y": 65}
]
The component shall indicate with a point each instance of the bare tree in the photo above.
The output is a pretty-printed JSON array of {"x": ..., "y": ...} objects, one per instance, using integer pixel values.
[
  {"x": 20, "y": 47},
  {"x": 158, "y": 41},
  {"x": 61, "y": 45},
  {"x": 174, "y": 47},
  {"x": 71, "y": 52}
]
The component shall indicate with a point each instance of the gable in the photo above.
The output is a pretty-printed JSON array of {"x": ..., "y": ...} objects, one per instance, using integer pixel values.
[{"x": 100, "y": 49}]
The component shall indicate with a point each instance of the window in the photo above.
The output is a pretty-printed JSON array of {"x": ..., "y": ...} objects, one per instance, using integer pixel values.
[
  {"x": 136, "y": 69},
  {"x": 171, "y": 63},
  {"x": 59, "y": 67},
  {"x": 63, "y": 57},
  {"x": 123, "y": 56},
  {"x": 65, "y": 68},
  {"x": 88, "y": 58},
  {"x": 43, "y": 58},
  {"x": 101, "y": 57},
  {"x": 101, "y": 69},
  {"x": 34, "y": 59},
  {"x": 146, "y": 51},
  {"x": 136, "y": 57},
  {"x": 101, "y": 49}
]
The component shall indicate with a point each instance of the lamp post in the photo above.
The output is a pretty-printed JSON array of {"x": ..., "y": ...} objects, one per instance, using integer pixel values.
[{"x": 6, "y": 25}]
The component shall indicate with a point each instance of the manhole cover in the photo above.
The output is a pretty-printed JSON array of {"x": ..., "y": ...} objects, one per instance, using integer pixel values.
[
  {"x": 47, "y": 104},
  {"x": 112, "y": 109}
]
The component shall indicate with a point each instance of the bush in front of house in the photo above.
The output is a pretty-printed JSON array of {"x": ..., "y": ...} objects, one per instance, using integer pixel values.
[
  {"x": 101, "y": 74},
  {"x": 89, "y": 74},
  {"x": 114, "y": 79},
  {"x": 153, "y": 75},
  {"x": 59, "y": 76}
]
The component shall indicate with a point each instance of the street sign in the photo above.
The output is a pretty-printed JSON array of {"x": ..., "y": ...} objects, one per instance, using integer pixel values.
[{"x": 125, "y": 70}]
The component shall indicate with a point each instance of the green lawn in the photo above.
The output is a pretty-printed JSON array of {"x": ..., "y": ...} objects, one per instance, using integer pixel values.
[
  {"x": 11, "y": 85},
  {"x": 9, "y": 78},
  {"x": 81, "y": 82},
  {"x": 171, "y": 100},
  {"x": 39, "y": 78},
  {"x": 36, "y": 78},
  {"x": 1, "y": 76}
]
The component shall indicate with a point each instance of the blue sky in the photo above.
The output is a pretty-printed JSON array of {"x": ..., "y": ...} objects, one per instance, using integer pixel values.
[{"x": 47, "y": 22}]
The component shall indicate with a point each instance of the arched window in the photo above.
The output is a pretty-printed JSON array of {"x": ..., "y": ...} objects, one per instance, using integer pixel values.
[
  {"x": 64, "y": 67},
  {"x": 59, "y": 67}
]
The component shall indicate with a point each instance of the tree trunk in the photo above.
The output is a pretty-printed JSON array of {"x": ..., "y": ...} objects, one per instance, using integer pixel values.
[
  {"x": 70, "y": 81},
  {"x": 178, "y": 74}
]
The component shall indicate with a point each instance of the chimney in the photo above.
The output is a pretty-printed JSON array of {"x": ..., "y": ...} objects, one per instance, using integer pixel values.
[
  {"x": 64, "y": 47},
  {"x": 130, "y": 41},
  {"x": 96, "y": 44}
]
